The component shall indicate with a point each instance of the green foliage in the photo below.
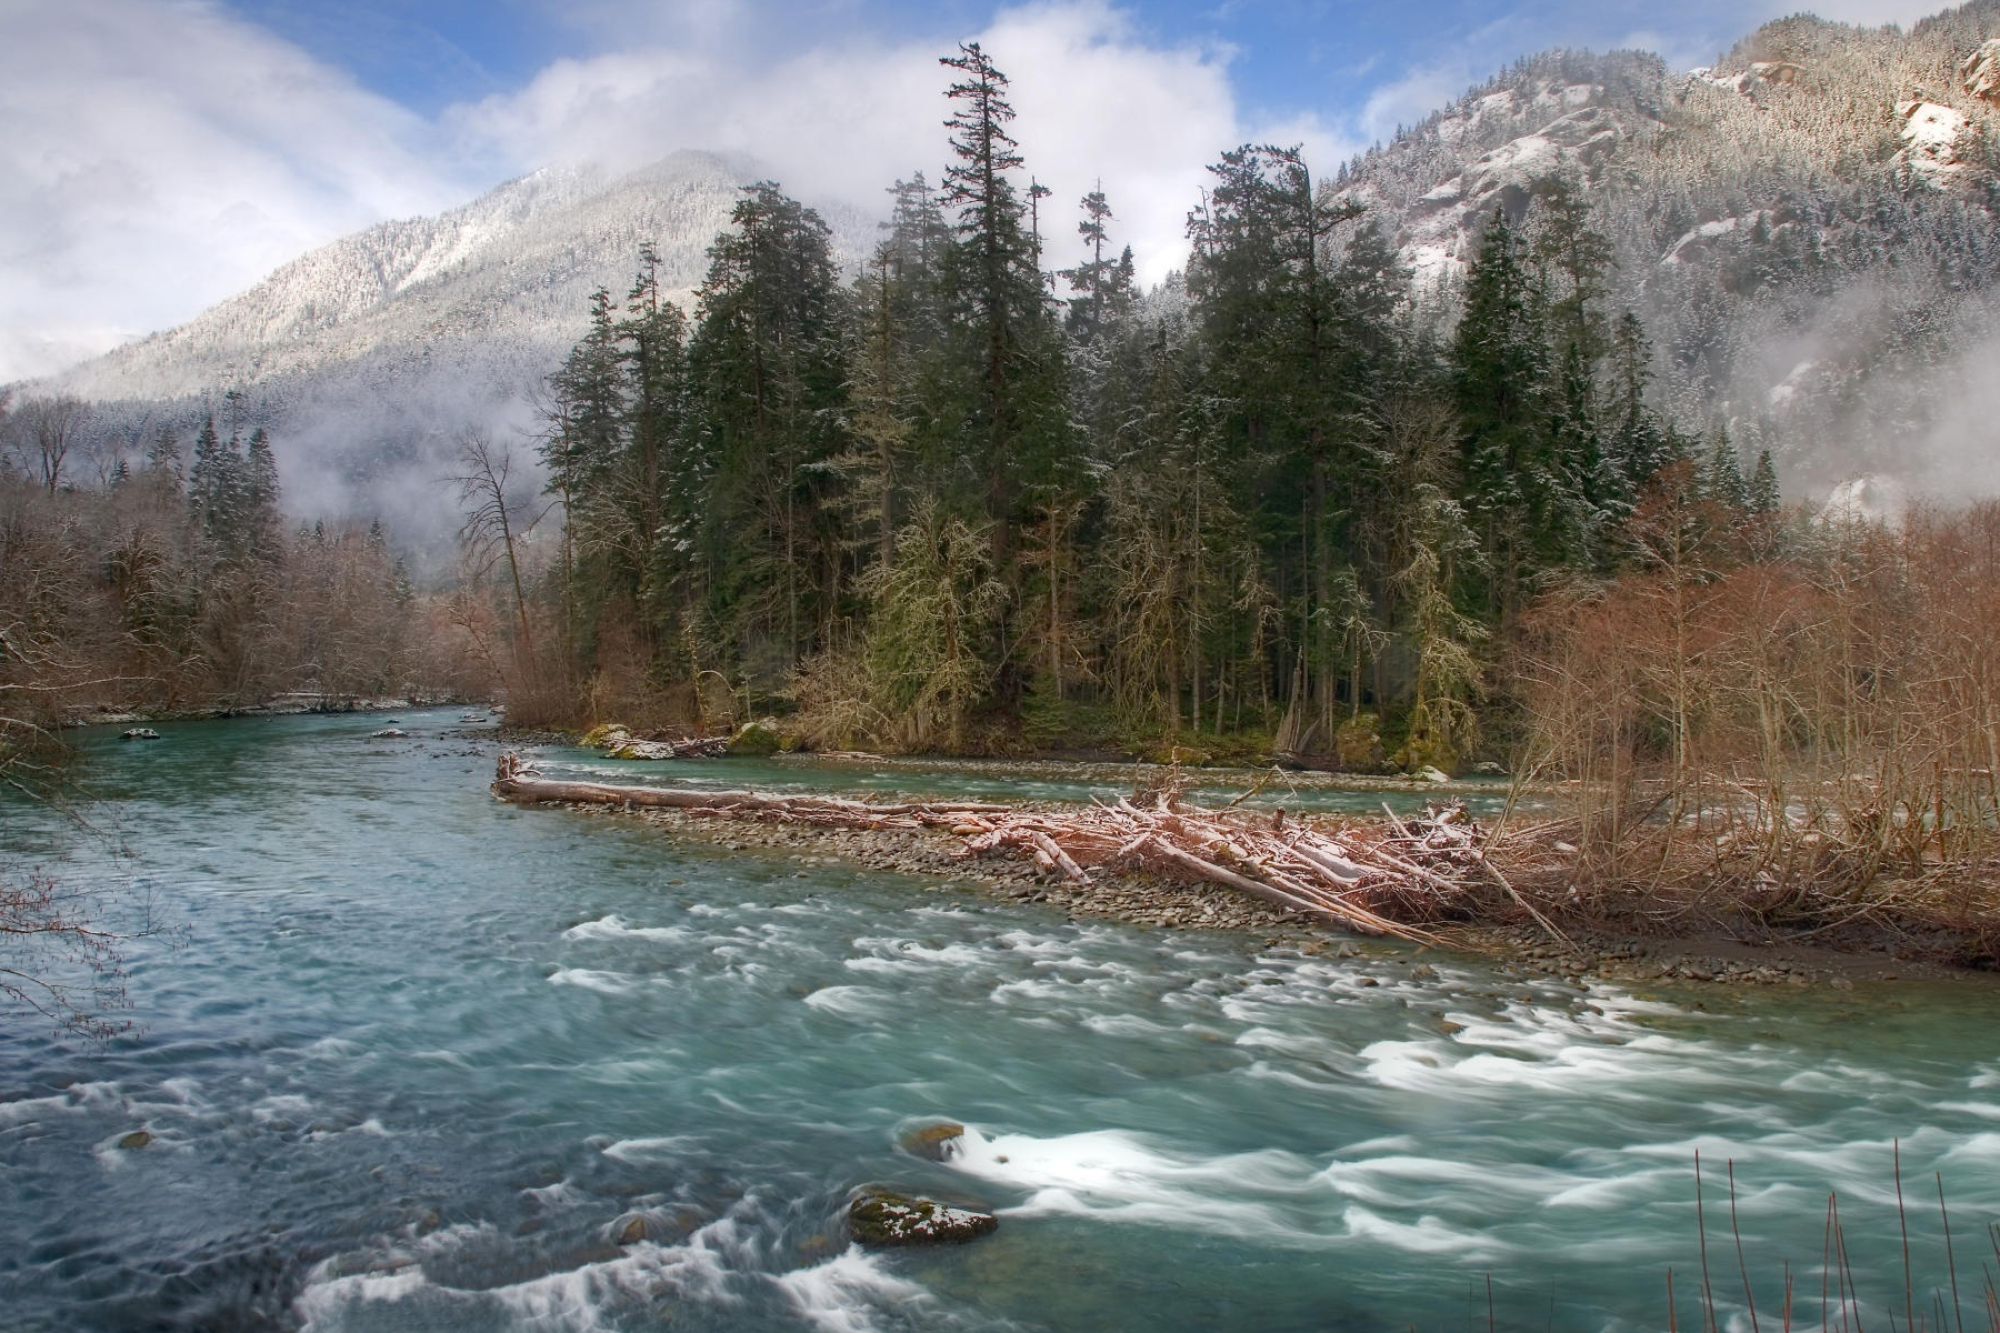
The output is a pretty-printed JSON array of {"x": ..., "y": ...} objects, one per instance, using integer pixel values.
[
  {"x": 931, "y": 608},
  {"x": 938, "y": 506},
  {"x": 1358, "y": 742}
]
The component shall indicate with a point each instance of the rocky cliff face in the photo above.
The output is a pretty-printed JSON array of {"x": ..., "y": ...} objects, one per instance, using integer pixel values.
[{"x": 1807, "y": 228}]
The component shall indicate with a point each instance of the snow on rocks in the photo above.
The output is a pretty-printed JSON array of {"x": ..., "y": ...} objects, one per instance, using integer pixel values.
[
  {"x": 1932, "y": 135},
  {"x": 1981, "y": 72}
]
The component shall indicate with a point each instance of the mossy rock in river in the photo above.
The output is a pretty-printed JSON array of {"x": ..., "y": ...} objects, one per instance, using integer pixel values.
[
  {"x": 758, "y": 739},
  {"x": 937, "y": 1142},
  {"x": 137, "y": 1139},
  {"x": 880, "y": 1218},
  {"x": 603, "y": 736}
]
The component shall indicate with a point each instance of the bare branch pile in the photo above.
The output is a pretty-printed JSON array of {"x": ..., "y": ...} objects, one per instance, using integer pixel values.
[
  {"x": 621, "y": 744},
  {"x": 1387, "y": 879}
]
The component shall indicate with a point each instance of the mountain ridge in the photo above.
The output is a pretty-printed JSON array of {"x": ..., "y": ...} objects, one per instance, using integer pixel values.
[{"x": 1806, "y": 229}]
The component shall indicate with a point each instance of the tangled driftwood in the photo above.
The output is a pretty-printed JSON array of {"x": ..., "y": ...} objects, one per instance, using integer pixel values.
[
  {"x": 622, "y": 744},
  {"x": 1390, "y": 879}
]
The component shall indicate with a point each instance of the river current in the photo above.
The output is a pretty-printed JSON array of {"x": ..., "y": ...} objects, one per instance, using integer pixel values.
[{"x": 415, "y": 1060}]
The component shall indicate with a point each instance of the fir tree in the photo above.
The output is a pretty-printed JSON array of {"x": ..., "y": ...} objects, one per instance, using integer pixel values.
[
  {"x": 1020, "y": 417},
  {"x": 1763, "y": 492},
  {"x": 1500, "y": 365},
  {"x": 1722, "y": 473},
  {"x": 1637, "y": 444},
  {"x": 769, "y": 370}
]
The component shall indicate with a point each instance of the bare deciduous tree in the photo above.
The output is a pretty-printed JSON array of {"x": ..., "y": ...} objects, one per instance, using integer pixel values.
[
  {"x": 495, "y": 523},
  {"x": 44, "y": 431}
]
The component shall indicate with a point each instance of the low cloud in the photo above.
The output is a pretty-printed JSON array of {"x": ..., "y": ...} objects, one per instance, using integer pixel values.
[
  {"x": 156, "y": 157},
  {"x": 842, "y": 122}
]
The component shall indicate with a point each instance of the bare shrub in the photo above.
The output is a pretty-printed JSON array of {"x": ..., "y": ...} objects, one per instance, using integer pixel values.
[{"x": 1810, "y": 740}]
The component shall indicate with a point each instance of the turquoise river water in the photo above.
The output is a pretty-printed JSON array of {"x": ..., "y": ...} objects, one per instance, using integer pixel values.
[{"x": 414, "y": 1060}]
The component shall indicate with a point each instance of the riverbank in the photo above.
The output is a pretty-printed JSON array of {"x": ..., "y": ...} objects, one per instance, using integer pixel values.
[
  {"x": 1168, "y": 903},
  {"x": 445, "y": 1053},
  {"x": 299, "y": 705}
]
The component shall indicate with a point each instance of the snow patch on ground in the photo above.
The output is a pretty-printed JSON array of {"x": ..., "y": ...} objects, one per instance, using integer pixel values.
[{"x": 1933, "y": 135}]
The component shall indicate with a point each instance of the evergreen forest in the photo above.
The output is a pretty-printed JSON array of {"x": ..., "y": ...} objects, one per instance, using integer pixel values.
[{"x": 961, "y": 502}]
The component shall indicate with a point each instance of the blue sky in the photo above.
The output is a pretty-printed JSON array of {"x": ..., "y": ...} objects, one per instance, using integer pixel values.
[
  {"x": 1287, "y": 56},
  {"x": 159, "y": 155}
]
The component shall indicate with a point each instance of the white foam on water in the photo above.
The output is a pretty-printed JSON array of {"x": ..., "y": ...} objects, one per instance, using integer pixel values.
[
  {"x": 1830, "y": 1156},
  {"x": 1305, "y": 1045},
  {"x": 372, "y": 1127},
  {"x": 1837, "y": 1078},
  {"x": 579, "y": 1300},
  {"x": 1540, "y": 1048},
  {"x": 444, "y": 1057},
  {"x": 561, "y": 1194},
  {"x": 604, "y": 983},
  {"x": 76, "y": 1097},
  {"x": 844, "y": 1294},
  {"x": 1028, "y": 988},
  {"x": 617, "y": 928},
  {"x": 1388, "y": 1179},
  {"x": 950, "y": 913},
  {"x": 1115, "y": 1174},
  {"x": 1981, "y": 1150},
  {"x": 1264, "y": 1069},
  {"x": 1126, "y": 1025},
  {"x": 327, "y": 1300},
  {"x": 890, "y": 956},
  {"x": 280, "y": 1105},
  {"x": 334, "y": 1048},
  {"x": 1616, "y": 1191},
  {"x": 1427, "y": 1235},
  {"x": 855, "y": 1002},
  {"x": 637, "y": 1151}
]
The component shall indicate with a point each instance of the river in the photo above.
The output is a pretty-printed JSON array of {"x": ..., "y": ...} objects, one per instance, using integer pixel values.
[{"x": 412, "y": 1059}]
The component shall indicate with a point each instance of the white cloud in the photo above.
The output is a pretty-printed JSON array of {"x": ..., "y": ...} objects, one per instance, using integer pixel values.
[
  {"x": 842, "y": 122},
  {"x": 1873, "y": 13},
  {"x": 155, "y": 157}
]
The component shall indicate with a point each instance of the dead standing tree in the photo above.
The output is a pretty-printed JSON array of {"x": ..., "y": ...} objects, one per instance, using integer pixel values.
[{"x": 494, "y": 527}]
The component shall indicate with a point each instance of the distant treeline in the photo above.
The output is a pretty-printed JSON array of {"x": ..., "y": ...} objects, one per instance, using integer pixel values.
[
  {"x": 175, "y": 585},
  {"x": 964, "y": 502}
]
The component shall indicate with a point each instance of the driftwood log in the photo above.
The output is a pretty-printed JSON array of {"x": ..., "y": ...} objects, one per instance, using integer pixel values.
[
  {"x": 524, "y": 786},
  {"x": 1395, "y": 878},
  {"x": 622, "y": 744}
]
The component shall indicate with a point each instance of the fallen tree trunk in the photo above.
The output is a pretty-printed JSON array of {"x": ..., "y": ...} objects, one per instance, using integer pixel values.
[
  {"x": 523, "y": 786},
  {"x": 1391, "y": 881}
]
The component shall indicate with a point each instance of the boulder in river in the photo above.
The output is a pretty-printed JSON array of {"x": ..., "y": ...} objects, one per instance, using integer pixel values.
[
  {"x": 137, "y": 1139},
  {"x": 936, "y": 1142},
  {"x": 880, "y": 1217},
  {"x": 758, "y": 739},
  {"x": 140, "y": 734}
]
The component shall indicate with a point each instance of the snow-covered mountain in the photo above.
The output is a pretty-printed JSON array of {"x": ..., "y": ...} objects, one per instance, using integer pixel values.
[
  {"x": 1807, "y": 228},
  {"x": 369, "y": 356}
]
